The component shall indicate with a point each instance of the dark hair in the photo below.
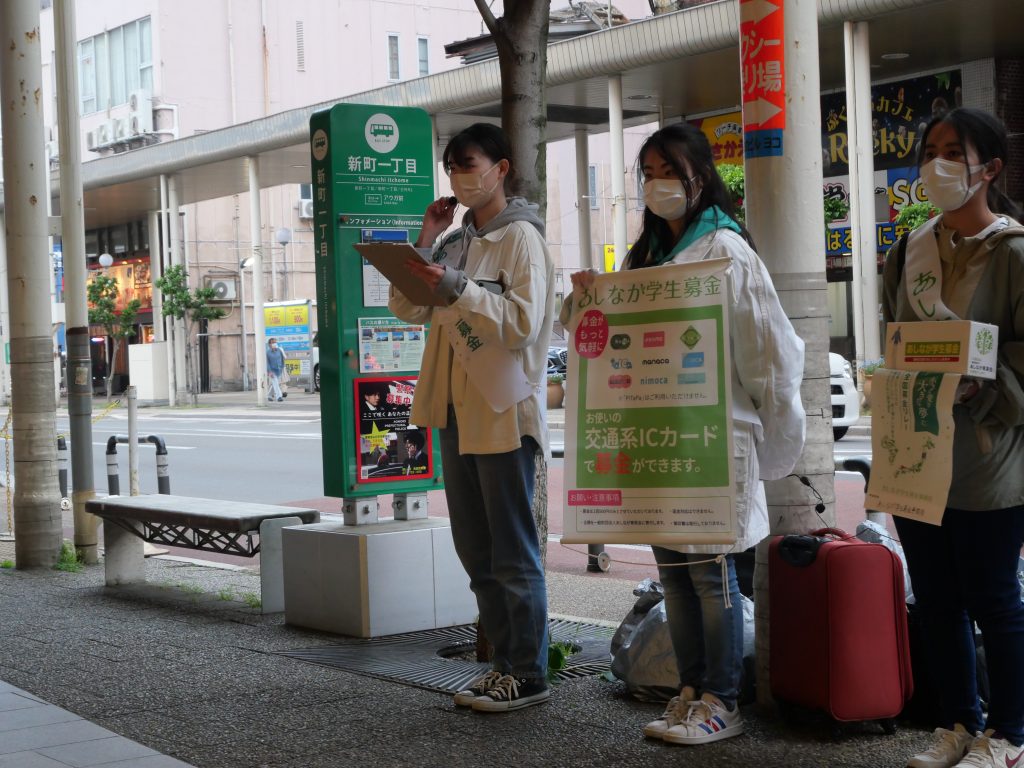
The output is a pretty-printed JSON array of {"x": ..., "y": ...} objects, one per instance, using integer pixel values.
[
  {"x": 987, "y": 134},
  {"x": 415, "y": 437},
  {"x": 675, "y": 143},
  {"x": 489, "y": 139}
]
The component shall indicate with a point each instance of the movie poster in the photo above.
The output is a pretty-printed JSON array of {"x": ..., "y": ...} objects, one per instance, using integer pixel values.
[{"x": 390, "y": 447}]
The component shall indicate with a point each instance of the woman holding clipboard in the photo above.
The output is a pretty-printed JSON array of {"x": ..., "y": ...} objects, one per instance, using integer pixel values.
[{"x": 481, "y": 380}]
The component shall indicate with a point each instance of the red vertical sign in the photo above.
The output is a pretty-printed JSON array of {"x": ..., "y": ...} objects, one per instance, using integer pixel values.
[{"x": 763, "y": 76}]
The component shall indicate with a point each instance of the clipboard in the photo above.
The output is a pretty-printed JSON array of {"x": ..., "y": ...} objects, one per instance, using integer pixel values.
[{"x": 389, "y": 259}]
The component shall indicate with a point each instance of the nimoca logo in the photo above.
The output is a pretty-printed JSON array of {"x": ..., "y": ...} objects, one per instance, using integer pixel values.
[{"x": 381, "y": 133}]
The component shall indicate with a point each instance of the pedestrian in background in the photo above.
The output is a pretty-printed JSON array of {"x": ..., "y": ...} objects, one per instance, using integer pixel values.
[
  {"x": 965, "y": 570},
  {"x": 689, "y": 217},
  {"x": 275, "y": 370},
  {"x": 495, "y": 277}
]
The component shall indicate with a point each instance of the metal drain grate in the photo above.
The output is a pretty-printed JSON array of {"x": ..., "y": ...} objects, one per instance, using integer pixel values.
[{"x": 424, "y": 659}]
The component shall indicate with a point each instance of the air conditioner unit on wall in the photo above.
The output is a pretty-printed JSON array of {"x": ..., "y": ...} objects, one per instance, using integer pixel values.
[
  {"x": 140, "y": 112},
  {"x": 120, "y": 129},
  {"x": 223, "y": 289},
  {"x": 104, "y": 134},
  {"x": 305, "y": 209},
  {"x": 90, "y": 140}
]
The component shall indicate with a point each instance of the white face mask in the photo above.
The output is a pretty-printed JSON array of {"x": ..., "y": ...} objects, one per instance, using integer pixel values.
[
  {"x": 469, "y": 187},
  {"x": 667, "y": 198},
  {"x": 945, "y": 183}
]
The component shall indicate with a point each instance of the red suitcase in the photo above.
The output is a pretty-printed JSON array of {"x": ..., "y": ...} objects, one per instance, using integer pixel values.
[{"x": 839, "y": 640}]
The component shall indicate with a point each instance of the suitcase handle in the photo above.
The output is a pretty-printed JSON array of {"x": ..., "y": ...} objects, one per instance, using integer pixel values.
[
  {"x": 799, "y": 551},
  {"x": 838, "y": 533}
]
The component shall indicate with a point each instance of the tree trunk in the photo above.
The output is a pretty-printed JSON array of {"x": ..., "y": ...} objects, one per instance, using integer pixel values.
[{"x": 521, "y": 36}]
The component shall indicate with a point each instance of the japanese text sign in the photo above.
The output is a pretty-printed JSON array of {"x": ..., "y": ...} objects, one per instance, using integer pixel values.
[
  {"x": 763, "y": 76},
  {"x": 648, "y": 438}
]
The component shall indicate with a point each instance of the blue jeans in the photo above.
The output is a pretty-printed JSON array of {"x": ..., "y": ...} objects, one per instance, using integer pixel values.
[
  {"x": 490, "y": 505},
  {"x": 706, "y": 636},
  {"x": 962, "y": 572}
]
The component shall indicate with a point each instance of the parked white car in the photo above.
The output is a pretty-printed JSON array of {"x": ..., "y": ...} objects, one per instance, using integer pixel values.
[{"x": 845, "y": 398}]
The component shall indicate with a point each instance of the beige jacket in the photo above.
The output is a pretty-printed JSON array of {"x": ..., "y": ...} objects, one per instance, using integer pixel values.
[{"x": 519, "y": 319}]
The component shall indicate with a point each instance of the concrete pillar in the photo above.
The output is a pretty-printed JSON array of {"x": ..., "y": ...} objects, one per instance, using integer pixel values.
[
  {"x": 155, "y": 272},
  {"x": 165, "y": 258},
  {"x": 785, "y": 214},
  {"x": 860, "y": 147},
  {"x": 37, "y": 514},
  {"x": 259, "y": 323},
  {"x": 583, "y": 198},
  {"x": 181, "y": 377},
  {"x": 618, "y": 170}
]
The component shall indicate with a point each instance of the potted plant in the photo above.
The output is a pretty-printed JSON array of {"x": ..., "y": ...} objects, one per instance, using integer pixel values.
[
  {"x": 867, "y": 370},
  {"x": 556, "y": 392}
]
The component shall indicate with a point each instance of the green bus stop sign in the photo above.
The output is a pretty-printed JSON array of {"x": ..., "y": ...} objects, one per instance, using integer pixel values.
[{"x": 373, "y": 177}]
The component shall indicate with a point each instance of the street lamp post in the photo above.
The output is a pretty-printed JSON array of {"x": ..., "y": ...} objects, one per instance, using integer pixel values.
[{"x": 283, "y": 235}]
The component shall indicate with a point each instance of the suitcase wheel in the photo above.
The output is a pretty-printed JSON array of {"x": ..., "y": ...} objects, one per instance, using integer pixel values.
[{"x": 888, "y": 726}]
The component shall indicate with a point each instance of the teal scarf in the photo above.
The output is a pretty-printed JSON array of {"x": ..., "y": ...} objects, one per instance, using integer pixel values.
[{"x": 709, "y": 220}]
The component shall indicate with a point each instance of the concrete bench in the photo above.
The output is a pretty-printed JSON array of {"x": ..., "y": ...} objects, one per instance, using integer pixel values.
[{"x": 210, "y": 525}]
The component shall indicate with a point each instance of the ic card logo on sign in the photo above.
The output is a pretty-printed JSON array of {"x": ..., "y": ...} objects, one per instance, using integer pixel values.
[{"x": 381, "y": 132}]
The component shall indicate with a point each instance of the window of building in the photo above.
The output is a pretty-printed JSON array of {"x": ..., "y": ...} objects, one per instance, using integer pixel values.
[
  {"x": 305, "y": 191},
  {"x": 595, "y": 203},
  {"x": 393, "y": 72},
  {"x": 113, "y": 64},
  {"x": 423, "y": 56}
]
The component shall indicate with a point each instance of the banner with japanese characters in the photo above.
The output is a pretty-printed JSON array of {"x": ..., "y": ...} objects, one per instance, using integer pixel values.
[
  {"x": 911, "y": 443},
  {"x": 648, "y": 454}
]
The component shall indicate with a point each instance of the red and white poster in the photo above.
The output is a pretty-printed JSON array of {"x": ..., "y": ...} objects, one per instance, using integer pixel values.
[{"x": 762, "y": 77}]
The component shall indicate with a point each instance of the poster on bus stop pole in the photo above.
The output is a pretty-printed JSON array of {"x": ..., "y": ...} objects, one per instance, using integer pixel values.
[{"x": 648, "y": 434}]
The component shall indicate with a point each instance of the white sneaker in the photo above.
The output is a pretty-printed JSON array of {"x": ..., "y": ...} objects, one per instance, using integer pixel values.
[
  {"x": 989, "y": 752},
  {"x": 674, "y": 712},
  {"x": 477, "y": 688},
  {"x": 947, "y": 751},
  {"x": 706, "y": 720}
]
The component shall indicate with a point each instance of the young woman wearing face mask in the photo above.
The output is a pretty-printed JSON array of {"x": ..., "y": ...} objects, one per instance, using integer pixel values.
[
  {"x": 495, "y": 277},
  {"x": 968, "y": 263},
  {"x": 689, "y": 217}
]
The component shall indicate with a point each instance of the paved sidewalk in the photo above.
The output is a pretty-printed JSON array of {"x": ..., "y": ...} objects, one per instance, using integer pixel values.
[{"x": 34, "y": 734}]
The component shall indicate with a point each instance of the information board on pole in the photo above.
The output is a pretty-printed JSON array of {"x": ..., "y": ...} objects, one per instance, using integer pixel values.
[
  {"x": 648, "y": 434},
  {"x": 289, "y": 322},
  {"x": 762, "y": 77},
  {"x": 373, "y": 177}
]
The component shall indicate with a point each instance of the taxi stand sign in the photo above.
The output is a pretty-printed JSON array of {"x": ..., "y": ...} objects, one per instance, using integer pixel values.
[
  {"x": 762, "y": 77},
  {"x": 373, "y": 177}
]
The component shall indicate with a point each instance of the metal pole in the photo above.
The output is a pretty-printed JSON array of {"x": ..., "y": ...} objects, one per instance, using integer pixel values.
[
  {"x": 259, "y": 324},
  {"x": 163, "y": 472},
  {"x": 113, "y": 481},
  {"x": 245, "y": 332},
  {"x": 62, "y": 467},
  {"x": 37, "y": 515},
  {"x": 618, "y": 167},
  {"x": 133, "y": 442},
  {"x": 72, "y": 220},
  {"x": 583, "y": 201}
]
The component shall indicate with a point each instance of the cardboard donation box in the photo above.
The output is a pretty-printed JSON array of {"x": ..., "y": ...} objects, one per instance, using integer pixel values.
[{"x": 943, "y": 346}]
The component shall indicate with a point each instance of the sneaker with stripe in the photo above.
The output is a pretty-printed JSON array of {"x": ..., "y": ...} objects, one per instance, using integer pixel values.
[
  {"x": 946, "y": 751},
  {"x": 706, "y": 720},
  {"x": 477, "y": 688},
  {"x": 674, "y": 712}
]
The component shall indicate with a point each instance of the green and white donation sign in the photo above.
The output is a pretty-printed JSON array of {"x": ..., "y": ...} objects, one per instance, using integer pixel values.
[{"x": 648, "y": 437}]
